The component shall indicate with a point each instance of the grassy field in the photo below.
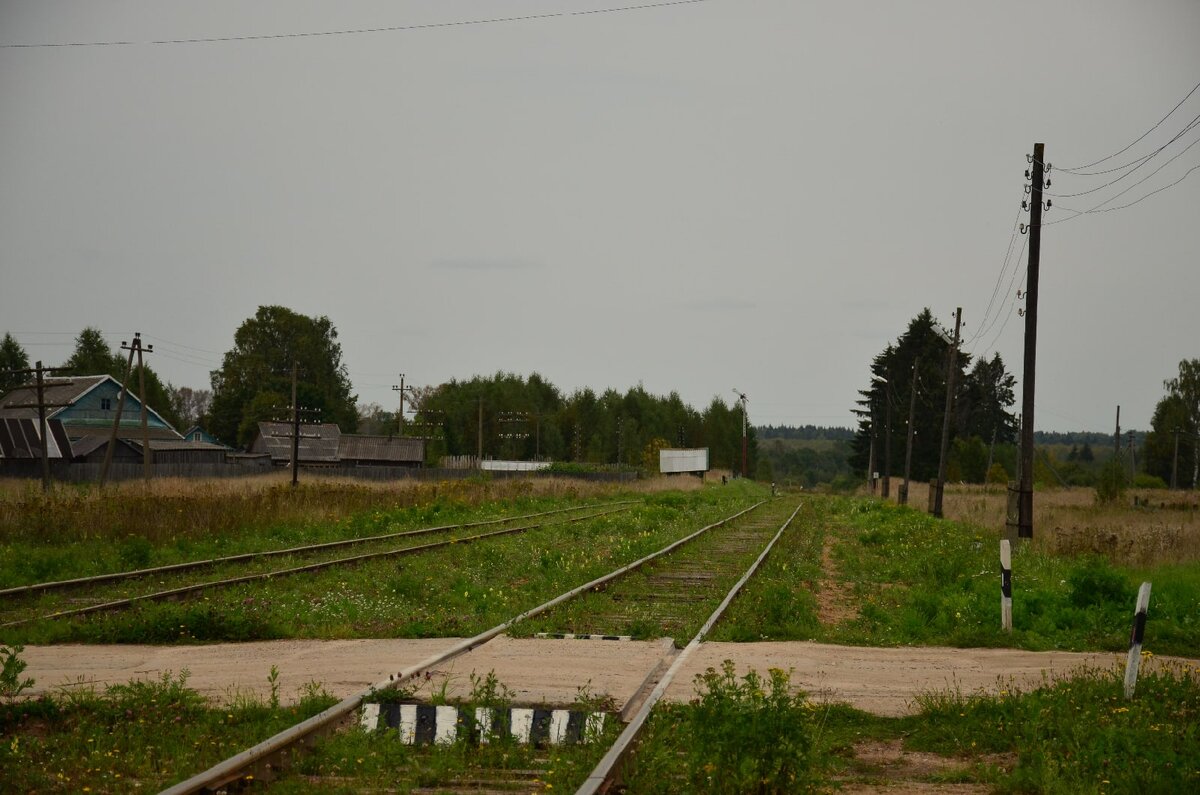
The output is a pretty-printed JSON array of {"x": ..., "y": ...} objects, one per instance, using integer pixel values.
[
  {"x": 453, "y": 591},
  {"x": 863, "y": 572}
]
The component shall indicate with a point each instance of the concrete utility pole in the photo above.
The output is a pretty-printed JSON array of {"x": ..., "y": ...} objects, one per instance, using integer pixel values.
[
  {"x": 742, "y": 398},
  {"x": 950, "y": 373},
  {"x": 908, "y": 448},
  {"x": 39, "y": 371},
  {"x": 1025, "y": 505},
  {"x": 112, "y": 438}
]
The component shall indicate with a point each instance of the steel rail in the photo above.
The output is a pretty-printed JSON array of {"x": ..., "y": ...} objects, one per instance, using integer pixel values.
[
  {"x": 171, "y": 593},
  {"x": 269, "y": 553},
  {"x": 601, "y": 774},
  {"x": 233, "y": 768}
]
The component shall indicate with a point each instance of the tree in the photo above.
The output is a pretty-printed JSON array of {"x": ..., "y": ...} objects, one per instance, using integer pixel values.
[
  {"x": 891, "y": 373},
  {"x": 1171, "y": 416},
  {"x": 190, "y": 405},
  {"x": 983, "y": 407},
  {"x": 12, "y": 357},
  {"x": 260, "y": 364}
]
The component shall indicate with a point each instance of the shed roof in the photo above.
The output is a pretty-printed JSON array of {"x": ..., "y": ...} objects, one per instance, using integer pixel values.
[
  {"x": 318, "y": 442},
  {"x": 401, "y": 450}
]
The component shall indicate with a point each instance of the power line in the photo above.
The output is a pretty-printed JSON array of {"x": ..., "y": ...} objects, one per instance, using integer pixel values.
[
  {"x": 1140, "y": 162},
  {"x": 1140, "y": 137},
  {"x": 1098, "y": 208},
  {"x": 357, "y": 31}
]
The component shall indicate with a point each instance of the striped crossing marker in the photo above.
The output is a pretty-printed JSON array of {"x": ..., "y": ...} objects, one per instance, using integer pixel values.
[
  {"x": 424, "y": 724},
  {"x": 1135, "y": 639}
]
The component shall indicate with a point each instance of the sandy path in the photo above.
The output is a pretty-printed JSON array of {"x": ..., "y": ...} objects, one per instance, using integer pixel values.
[{"x": 883, "y": 681}]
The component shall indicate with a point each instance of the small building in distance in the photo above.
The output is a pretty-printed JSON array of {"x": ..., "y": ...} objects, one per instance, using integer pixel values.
[
  {"x": 390, "y": 451},
  {"x": 324, "y": 444}
]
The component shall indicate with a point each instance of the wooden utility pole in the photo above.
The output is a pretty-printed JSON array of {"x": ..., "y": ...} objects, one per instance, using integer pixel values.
[
  {"x": 886, "y": 490},
  {"x": 950, "y": 373},
  {"x": 1132, "y": 458},
  {"x": 1117, "y": 435},
  {"x": 908, "y": 447},
  {"x": 295, "y": 425},
  {"x": 112, "y": 437},
  {"x": 479, "y": 441},
  {"x": 41, "y": 405},
  {"x": 1025, "y": 506},
  {"x": 871, "y": 457},
  {"x": 401, "y": 388},
  {"x": 144, "y": 416}
]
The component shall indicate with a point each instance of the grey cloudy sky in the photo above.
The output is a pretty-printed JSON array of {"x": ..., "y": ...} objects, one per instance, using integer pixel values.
[{"x": 749, "y": 193}]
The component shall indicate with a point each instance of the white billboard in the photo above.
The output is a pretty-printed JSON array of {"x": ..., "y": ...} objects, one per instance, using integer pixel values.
[{"x": 676, "y": 461}]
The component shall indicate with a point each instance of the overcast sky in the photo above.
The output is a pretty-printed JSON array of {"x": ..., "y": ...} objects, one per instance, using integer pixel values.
[{"x": 733, "y": 193}]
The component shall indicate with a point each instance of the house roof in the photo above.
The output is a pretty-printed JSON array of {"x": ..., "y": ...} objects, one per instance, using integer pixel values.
[
  {"x": 55, "y": 390},
  {"x": 20, "y": 438},
  {"x": 70, "y": 390},
  {"x": 381, "y": 448},
  {"x": 318, "y": 442}
]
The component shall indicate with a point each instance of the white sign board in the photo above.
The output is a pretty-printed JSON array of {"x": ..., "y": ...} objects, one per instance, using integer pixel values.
[
  {"x": 676, "y": 461},
  {"x": 514, "y": 466}
]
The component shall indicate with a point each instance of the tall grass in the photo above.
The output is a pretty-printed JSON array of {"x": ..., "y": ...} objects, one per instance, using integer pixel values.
[
  {"x": 170, "y": 509},
  {"x": 1147, "y": 527}
]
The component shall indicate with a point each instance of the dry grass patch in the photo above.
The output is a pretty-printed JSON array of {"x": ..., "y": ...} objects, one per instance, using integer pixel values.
[{"x": 1162, "y": 527}]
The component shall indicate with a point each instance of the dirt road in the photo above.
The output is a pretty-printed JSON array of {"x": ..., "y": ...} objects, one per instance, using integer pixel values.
[{"x": 883, "y": 681}]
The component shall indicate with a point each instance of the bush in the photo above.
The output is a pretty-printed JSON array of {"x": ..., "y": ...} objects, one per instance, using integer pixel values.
[
  {"x": 997, "y": 474},
  {"x": 1111, "y": 485},
  {"x": 749, "y": 735},
  {"x": 1144, "y": 481}
]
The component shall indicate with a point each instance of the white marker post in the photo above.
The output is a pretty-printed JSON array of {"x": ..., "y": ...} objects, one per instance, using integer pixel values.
[
  {"x": 1006, "y": 586},
  {"x": 1135, "y": 639}
]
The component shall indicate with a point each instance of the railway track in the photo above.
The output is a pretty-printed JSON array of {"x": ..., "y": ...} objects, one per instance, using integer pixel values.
[
  {"x": 19, "y": 615},
  {"x": 657, "y": 579}
]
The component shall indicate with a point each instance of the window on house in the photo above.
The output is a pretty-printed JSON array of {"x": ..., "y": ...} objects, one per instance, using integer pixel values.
[{"x": 106, "y": 404}]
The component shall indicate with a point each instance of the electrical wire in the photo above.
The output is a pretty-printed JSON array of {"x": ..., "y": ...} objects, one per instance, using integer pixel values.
[
  {"x": 1139, "y": 138},
  {"x": 999, "y": 279},
  {"x": 358, "y": 31},
  {"x": 1143, "y": 161},
  {"x": 1099, "y": 208}
]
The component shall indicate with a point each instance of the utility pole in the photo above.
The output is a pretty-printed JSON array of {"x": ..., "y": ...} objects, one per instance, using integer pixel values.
[
  {"x": 908, "y": 448},
  {"x": 886, "y": 491},
  {"x": 1175, "y": 461},
  {"x": 742, "y": 398},
  {"x": 479, "y": 441},
  {"x": 950, "y": 373},
  {"x": 401, "y": 389},
  {"x": 1132, "y": 458},
  {"x": 39, "y": 371},
  {"x": 1025, "y": 506},
  {"x": 112, "y": 438},
  {"x": 1117, "y": 436},
  {"x": 295, "y": 425},
  {"x": 144, "y": 416},
  {"x": 871, "y": 457}
]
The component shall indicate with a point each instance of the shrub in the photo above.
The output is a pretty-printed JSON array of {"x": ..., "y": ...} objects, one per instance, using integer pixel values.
[
  {"x": 997, "y": 474},
  {"x": 1144, "y": 481},
  {"x": 1111, "y": 485},
  {"x": 749, "y": 735}
]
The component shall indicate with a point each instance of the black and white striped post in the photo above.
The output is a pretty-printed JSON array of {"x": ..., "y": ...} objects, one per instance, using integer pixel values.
[
  {"x": 1005, "y": 585},
  {"x": 1135, "y": 639}
]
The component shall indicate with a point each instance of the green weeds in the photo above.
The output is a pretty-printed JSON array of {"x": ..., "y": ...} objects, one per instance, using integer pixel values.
[{"x": 140, "y": 736}]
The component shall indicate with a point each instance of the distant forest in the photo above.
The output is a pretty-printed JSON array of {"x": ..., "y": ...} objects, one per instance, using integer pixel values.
[{"x": 810, "y": 432}]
